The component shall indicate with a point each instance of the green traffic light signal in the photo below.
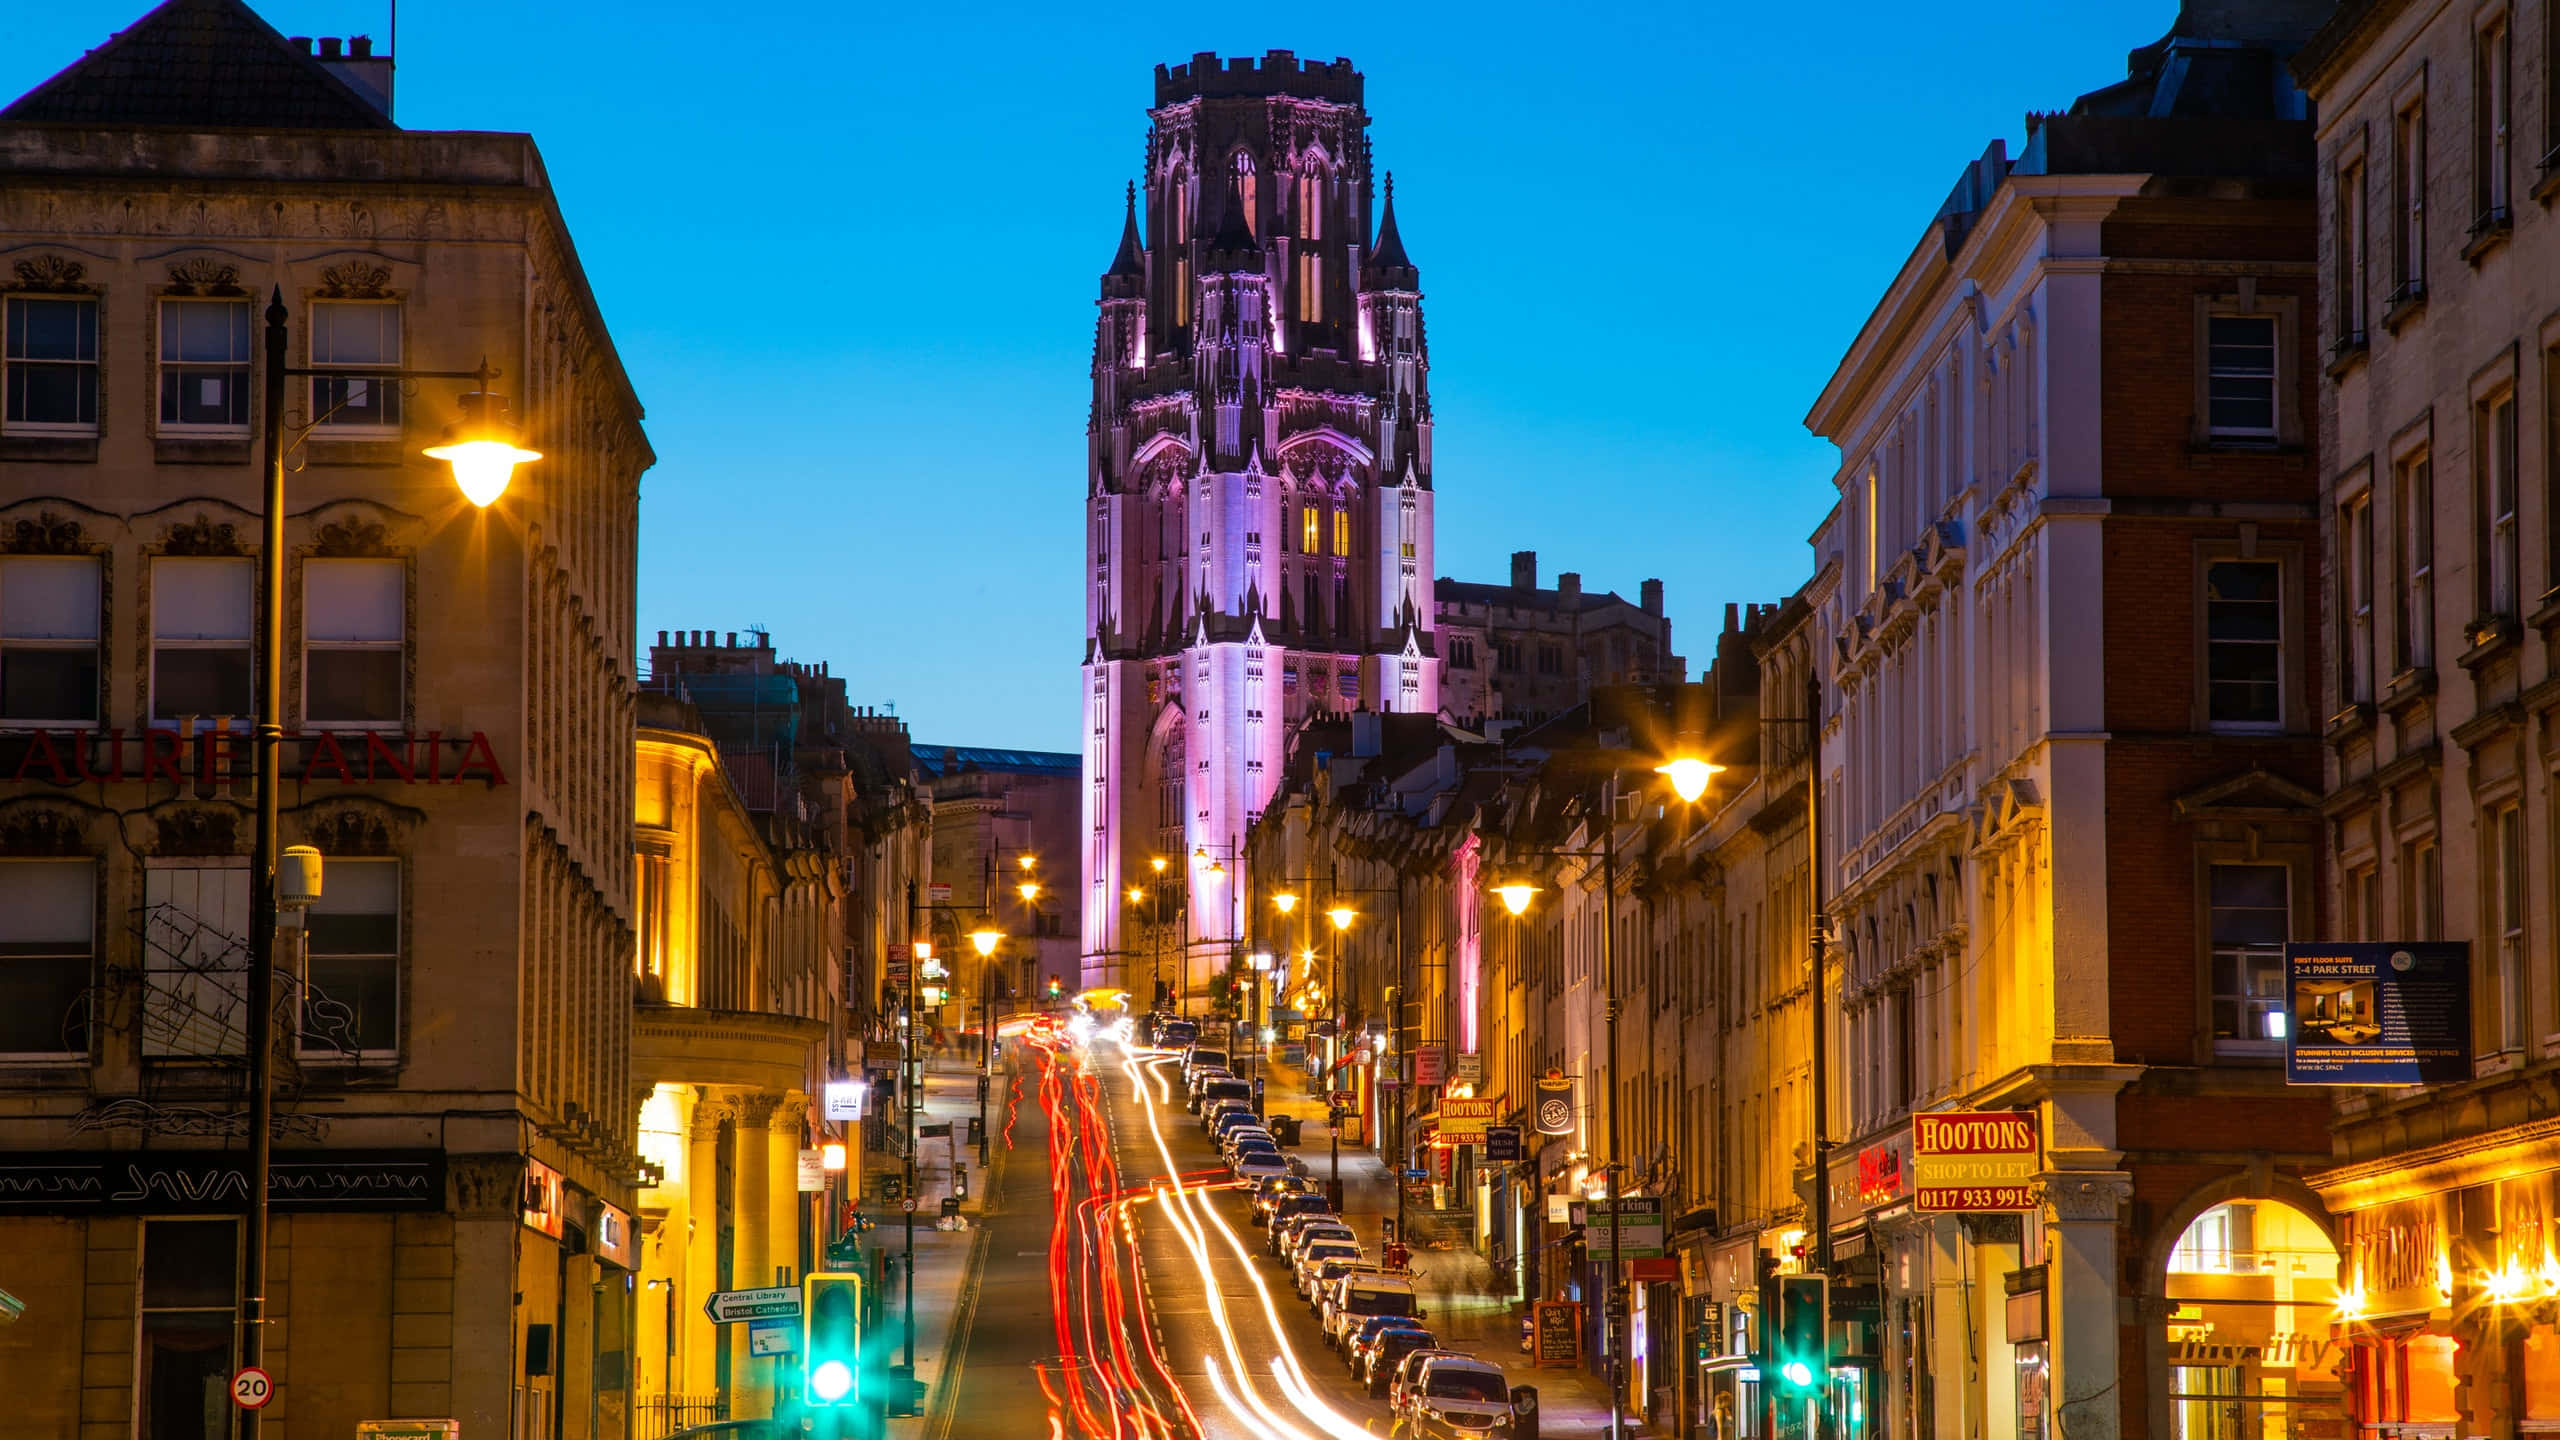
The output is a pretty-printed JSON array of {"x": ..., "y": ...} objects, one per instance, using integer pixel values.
[
  {"x": 1802, "y": 1339},
  {"x": 831, "y": 1349}
]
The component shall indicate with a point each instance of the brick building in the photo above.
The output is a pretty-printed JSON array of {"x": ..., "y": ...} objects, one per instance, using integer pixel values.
[{"x": 2071, "y": 760}]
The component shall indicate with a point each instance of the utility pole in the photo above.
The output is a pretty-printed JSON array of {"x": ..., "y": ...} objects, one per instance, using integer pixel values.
[
  {"x": 1821, "y": 1026},
  {"x": 1614, "y": 1296},
  {"x": 1404, "y": 1098},
  {"x": 911, "y": 1083},
  {"x": 262, "y": 871}
]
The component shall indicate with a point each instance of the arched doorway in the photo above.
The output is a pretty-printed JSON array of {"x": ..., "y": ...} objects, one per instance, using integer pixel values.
[{"x": 2252, "y": 1289}]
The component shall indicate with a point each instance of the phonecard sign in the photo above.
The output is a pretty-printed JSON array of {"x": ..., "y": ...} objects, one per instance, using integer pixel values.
[{"x": 2377, "y": 1012}]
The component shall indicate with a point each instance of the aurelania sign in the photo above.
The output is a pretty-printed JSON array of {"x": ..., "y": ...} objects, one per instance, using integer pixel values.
[{"x": 226, "y": 755}]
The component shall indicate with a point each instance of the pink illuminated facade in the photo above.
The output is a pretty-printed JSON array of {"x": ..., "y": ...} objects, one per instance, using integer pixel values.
[{"x": 1259, "y": 499}]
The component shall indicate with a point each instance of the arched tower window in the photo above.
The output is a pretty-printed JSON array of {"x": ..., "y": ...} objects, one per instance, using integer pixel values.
[
  {"x": 1246, "y": 194},
  {"x": 1311, "y": 199}
]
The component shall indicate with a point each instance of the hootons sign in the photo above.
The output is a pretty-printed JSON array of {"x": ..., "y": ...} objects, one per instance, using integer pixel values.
[
  {"x": 223, "y": 755},
  {"x": 1982, "y": 1160}
]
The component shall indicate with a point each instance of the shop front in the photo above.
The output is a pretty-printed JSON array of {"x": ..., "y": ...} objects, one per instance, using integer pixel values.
[
  {"x": 2252, "y": 1348},
  {"x": 2448, "y": 1296}
]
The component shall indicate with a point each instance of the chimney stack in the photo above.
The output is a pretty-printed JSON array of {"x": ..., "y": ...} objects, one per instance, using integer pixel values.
[
  {"x": 328, "y": 47},
  {"x": 1569, "y": 586},
  {"x": 1651, "y": 591},
  {"x": 1731, "y": 618},
  {"x": 1524, "y": 569}
]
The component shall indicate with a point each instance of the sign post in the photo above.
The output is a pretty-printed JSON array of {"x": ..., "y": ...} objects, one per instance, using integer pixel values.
[{"x": 728, "y": 1307}]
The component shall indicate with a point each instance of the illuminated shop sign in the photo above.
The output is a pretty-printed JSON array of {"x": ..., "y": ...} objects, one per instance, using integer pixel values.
[
  {"x": 227, "y": 755},
  {"x": 1973, "y": 1160},
  {"x": 546, "y": 1199},
  {"x": 2377, "y": 1013}
]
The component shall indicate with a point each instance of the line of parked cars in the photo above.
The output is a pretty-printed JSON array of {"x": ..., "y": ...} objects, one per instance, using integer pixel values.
[{"x": 1373, "y": 1317}]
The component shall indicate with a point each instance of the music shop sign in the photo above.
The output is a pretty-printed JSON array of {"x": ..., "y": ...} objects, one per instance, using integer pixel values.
[{"x": 227, "y": 755}]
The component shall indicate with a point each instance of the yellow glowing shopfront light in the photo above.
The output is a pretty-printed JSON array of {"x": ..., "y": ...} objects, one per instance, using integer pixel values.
[
  {"x": 481, "y": 447},
  {"x": 831, "y": 1155},
  {"x": 1688, "y": 775}
]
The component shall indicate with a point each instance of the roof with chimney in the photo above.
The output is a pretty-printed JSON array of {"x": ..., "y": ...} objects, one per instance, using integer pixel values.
[{"x": 199, "y": 65}]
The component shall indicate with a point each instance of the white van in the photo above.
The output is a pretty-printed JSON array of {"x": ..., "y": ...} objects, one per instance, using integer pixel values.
[{"x": 1356, "y": 1297}]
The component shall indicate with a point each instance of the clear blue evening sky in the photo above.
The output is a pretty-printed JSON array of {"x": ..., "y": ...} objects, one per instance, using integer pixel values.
[{"x": 849, "y": 254}]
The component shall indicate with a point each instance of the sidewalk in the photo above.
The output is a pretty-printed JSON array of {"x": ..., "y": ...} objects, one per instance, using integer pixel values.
[
  {"x": 1465, "y": 1310},
  {"x": 947, "y": 1261}
]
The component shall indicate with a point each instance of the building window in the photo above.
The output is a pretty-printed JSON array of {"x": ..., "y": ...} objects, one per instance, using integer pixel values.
[
  {"x": 354, "y": 663},
  {"x": 48, "y": 936},
  {"x": 2492, "y": 139},
  {"x": 352, "y": 1008},
  {"x": 2421, "y": 891},
  {"x": 2250, "y": 918},
  {"x": 2364, "y": 903},
  {"x": 204, "y": 366},
  {"x": 195, "y": 958},
  {"x": 2409, "y": 202},
  {"x": 49, "y": 639},
  {"x": 2506, "y": 910},
  {"x": 363, "y": 336},
  {"x": 1246, "y": 194},
  {"x": 1462, "y": 654},
  {"x": 2240, "y": 377},
  {"x": 2244, "y": 644},
  {"x": 190, "y": 1283},
  {"x": 2414, "y": 563},
  {"x": 2355, "y": 627},
  {"x": 1342, "y": 530},
  {"x": 1311, "y": 516},
  {"x": 51, "y": 361},
  {"x": 1181, "y": 292},
  {"x": 1341, "y": 601},
  {"x": 1506, "y": 654},
  {"x": 1550, "y": 660},
  {"x": 1311, "y": 205},
  {"x": 199, "y": 638},
  {"x": 1310, "y": 286},
  {"x": 2351, "y": 253},
  {"x": 2494, "y": 451}
]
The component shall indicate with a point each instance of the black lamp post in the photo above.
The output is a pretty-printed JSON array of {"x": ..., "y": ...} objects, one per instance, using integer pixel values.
[{"x": 483, "y": 454}]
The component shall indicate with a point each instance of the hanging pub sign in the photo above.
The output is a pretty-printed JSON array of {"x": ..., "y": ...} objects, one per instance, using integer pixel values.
[
  {"x": 226, "y": 754},
  {"x": 2377, "y": 1012},
  {"x": 1502, "y": 1144},
  {"x": 1973, "y": 1161},
  {"x": 1555, "y": 1104}
]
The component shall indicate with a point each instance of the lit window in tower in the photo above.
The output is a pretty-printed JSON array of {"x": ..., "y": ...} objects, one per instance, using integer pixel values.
[
  {"x": 1181, "y": 293},
  {"x": 1311, "y": 205},
  {"x": 1314, "y": 536},
  {"x": 1245, "y": 193},
  {"x": 1311, "y": 287},
  {"x": 1342, "y": 530}
]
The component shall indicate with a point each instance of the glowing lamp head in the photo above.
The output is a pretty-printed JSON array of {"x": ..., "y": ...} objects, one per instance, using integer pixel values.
[
  {"x": 1157, "y": 861},
  {"x": 1342, "y": 916},
  {"x": 1026, "y": 861},
  {"x": 481, "y": 447},
  {"x": 831, "y": 1155},
  {"x": 1689, "y": 776},
  {"x": 1287, "y": 902},
  {"x": 1516, "y": 895},
  {"x": 831, "y": 1380},
  {"x": 986, "y": 938},
  {"x": 1030, "y": 889}
]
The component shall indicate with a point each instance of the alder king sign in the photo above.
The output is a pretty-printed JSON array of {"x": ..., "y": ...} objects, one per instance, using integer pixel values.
[{"x": 1973, "y": 1160}]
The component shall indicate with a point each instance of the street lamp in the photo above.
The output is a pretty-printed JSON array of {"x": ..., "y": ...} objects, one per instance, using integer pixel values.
[
  {"x": 1689, "y": 776},
  {"x": 482, "y": 454},
  {"x": 1341, "y": 915}
]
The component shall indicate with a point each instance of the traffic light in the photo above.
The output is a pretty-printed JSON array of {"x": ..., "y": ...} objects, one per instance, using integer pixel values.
[
  {"x": 1800, "y": 1340},
  {"x": 1057, "y": 987},
  {"x": 831, "y": 1348}
]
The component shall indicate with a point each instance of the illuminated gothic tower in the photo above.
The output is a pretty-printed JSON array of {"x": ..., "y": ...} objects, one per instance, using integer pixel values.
[{"x": 1258, "y": 530}]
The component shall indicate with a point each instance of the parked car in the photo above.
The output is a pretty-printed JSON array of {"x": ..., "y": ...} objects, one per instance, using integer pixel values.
[
  {"x": 1354, "y": 1298},
  {"x": 1176, "y": 1034},
  {"x": 1375, "y": 1362},
  {"x": 1252, "y": 1145},
  {"x": 1367, "y": 1331},
  {"x": 1193, "y": 1083},
  {"x": 1222, "y": 1089},
  {"x": 1457, "y": 1397},
  {"x": 1230, "y": 1120},
  {"x": 1258, "y": 1167},
  {"x": 1271, "y": 1190},
  {"x": 1321, "y": 1228},
  {"x": 1291, "y": 1208},
  {"x": 1401, "y": 1380},
  {"x": 1203, "y": 1057},
  {"x": 1304, "y": 1273}
]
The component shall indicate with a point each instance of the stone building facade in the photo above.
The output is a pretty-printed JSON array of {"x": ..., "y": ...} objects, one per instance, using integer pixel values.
[
  {"x": 2440, "y": 274},
  {"x": 1259, "y": 495},
  {"x": 456, "y": 1158},
  {"x": 992, "y": 809},
  {"x": 2070, "y": 763},
  {"x": 1520, "y": 654}
]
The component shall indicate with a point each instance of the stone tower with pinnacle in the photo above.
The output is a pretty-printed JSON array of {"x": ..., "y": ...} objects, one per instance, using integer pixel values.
[{"x": 1258, "y": 513}]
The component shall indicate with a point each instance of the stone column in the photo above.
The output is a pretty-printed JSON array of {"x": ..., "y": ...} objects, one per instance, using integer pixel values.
[
  {"x": 2082, "y": 1220},
  {"x": 787, "y": 1131},
  {"x": 696, "y": 1368},
  {"x": 751, "y": 1389}
]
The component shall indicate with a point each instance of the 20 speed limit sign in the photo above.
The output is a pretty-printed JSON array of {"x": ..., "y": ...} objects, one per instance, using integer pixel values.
[{"x": 251, "y": 1389}]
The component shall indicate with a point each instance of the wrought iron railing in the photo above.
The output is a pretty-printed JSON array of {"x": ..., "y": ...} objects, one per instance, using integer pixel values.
[{"x": 663, "y": 1415}]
